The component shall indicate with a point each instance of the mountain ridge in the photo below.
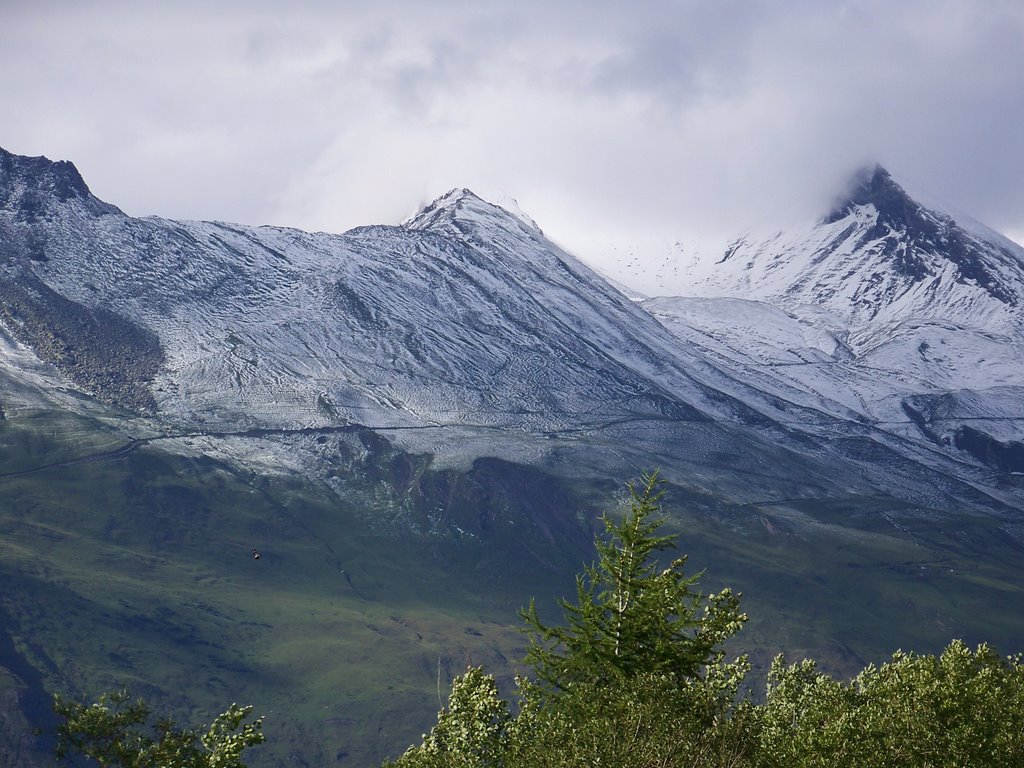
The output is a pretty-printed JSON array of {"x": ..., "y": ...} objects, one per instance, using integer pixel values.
[
  {"x": 887, "y": 309},
  {"x": 26, "y": 183},
  {"x": 418, "y": 427},
  {"x": 463, "y": 316}
]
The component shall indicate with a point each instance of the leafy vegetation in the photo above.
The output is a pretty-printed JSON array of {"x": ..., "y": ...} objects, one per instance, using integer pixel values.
[
  {"x": 135, "y": 569},
  {"x": 119, "y": 732},
  {"x": 961, "y": 708},
  {"x": 637, "y": 677}
]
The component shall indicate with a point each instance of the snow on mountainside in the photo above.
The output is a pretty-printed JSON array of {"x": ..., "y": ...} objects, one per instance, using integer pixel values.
[
  {"x": 878, "y": 257},
  {"x": 464, "y": 315},
  {"x": 463, "y": 329},
  {"x": 878, "y": 310}
]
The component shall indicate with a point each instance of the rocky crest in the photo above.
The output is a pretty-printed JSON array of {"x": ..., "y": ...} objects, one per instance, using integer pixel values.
[
  {"x": 910, "y": 236},
  {"x": 35, "y": 188},
  {"x": 41, "y": 203}
]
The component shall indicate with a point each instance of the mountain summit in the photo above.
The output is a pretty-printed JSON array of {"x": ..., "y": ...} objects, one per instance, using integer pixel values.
[
  {"x": 878, "y": 258},
  {"x": 918, "y": 241},
  {"x": 874, "y": 185},
  {"x": 905, "y": 314},
  {"x": 33, "y": 187},
  {"x": 461, "y": 208}
]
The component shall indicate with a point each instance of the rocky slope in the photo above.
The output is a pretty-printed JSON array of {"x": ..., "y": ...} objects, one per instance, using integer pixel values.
[{"x": 887, "y": 310}]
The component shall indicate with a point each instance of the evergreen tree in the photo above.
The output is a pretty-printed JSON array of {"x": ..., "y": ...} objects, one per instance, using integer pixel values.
[
  {"x": 630, "y": 616},
  {"x": 635, "y": 678}
]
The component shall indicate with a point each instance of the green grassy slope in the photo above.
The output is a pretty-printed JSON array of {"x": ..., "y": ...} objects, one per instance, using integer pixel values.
[{"x": 136, "y": 569}]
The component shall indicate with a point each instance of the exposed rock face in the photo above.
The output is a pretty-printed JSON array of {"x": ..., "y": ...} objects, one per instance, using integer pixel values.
[
  {"x": 96, "y": 348},
  {"x": 909, "y": 236},
  {"x": 33, "y": 188}
]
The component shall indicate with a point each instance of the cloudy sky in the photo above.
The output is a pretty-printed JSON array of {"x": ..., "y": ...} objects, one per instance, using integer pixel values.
[{"x": 608, "y": 121}]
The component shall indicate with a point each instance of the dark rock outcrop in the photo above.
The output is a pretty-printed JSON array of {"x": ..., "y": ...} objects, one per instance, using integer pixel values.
[{"x": 95, "y": 348}]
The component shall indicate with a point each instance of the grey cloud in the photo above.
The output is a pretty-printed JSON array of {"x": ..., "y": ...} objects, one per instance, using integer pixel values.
[{"x": 666, "y": 116}]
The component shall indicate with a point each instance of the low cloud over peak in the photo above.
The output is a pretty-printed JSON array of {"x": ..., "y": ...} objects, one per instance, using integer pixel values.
[{"x": 669, "y": 120}]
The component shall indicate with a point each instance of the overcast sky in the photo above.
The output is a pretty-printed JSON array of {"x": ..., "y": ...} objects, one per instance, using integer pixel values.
[{"x": 608, "y": 121}]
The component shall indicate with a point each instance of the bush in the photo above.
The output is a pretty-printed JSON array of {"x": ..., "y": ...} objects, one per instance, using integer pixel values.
[
  {"x": 961, "y": 708},
  {"x": 119, "y": 732}
]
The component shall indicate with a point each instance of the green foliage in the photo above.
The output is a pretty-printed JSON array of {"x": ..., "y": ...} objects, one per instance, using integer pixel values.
[
  {"x": 119, "y": 732},
  {"x": 472, "y": 731},
  {"x": 631, "y": 617},
  {"x": 961, "y": 708},
  {"x": 646, "y": 720},
  {"x": 636, "y": 678}
]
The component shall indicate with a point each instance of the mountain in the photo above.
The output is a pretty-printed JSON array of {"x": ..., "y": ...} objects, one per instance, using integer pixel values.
[
  {"x": 905, "y": 316},
  {"x": 463, "y": 315},
  {"x": 465, "y": 318},
  {"x": 464, "y": 321},
  {"x": 417, "y": 425},
  {"x": 879, "y": 257}
]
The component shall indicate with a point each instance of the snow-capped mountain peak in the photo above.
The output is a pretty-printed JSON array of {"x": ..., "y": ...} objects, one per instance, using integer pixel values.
[
  {"x": 919, "y": 240},
  {"x": 454, "y": 203},
  {"x": 871, "y": 185},
  {"x": 886, "y": 307},
  {"x": 878, "y": 258},
  {"x": 462, "y": 208}
]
